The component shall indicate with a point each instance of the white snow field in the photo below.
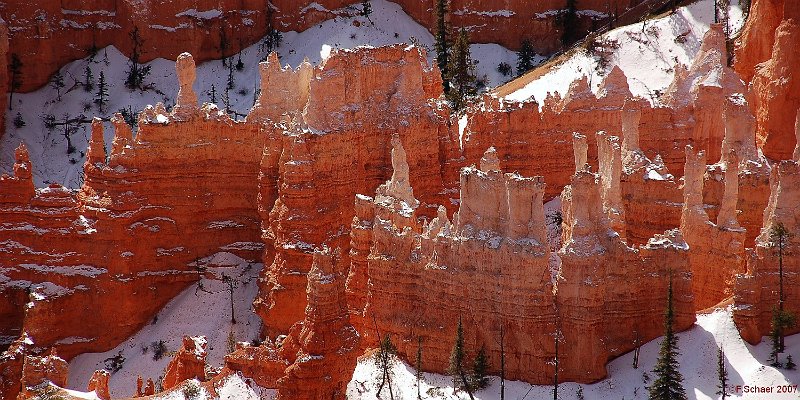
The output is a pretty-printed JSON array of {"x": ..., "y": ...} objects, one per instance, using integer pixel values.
[
  {"x": 194, "y": 312},
  {"x": 647, "y": 53},
  {"x": 49, "y": 151}
]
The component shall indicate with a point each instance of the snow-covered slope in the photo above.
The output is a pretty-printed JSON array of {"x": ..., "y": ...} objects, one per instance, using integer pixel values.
[
  {"x": 647, "y": 52},
  {"x": 53, "y": 163},
  {"x": 746, "y": 365},
  {"x": 194, "y": 312}
]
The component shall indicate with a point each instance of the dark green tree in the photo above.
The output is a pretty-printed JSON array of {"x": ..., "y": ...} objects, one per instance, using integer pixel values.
[
  {"x": 213, "y": 94},
  {"x": 366, "y": 8},
  {"x": 502, "y": 362},
  {"x": 525, "y": 57},
  {"x": 461, "y": 73},
  {"x": 136, "y": 72},
  {"x": 722, "y": 374},
  {"x": 16, "y": 77},
  {"x": 57, "y": 83},
  {"x": 442, "y": 45},
  {"x": 778, "y": 236},
  {"x": 781, "y": 320},
  {"x": 383, "y": 360},
  {"x": 231, "y": 284},
  {"x": 101, "y": 98},
  {"x": 457, "y": 360},
  {"x": 480, "y": 370},
  {"x": 18, "y": 121},
  {"x": 88, "y": 79},
  {"x": 273, "y": 38},
  {"x": 418, "y": 366},
  {"x": 790, "y": 365},
  {"x": 569, "y": 19},
  {"x": 223, "y": 45},
  {"x": 668, "y": 384}
]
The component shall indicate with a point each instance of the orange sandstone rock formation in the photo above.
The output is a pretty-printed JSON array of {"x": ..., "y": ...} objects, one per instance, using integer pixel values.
[
  {"x": 757, "y": 292},
  {"x": 318, "y": 356},
  {"x": 423, "y": 277},
  {"x": 99, "y": 384},
  {"x": 189, "y": 362},
  {"x": 317, "y": 161},
  {"x": 185, "y": 175}
]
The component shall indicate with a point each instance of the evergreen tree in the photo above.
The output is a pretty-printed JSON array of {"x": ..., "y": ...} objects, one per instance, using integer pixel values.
[
  {"x": 18, "y": 121},
  {"x": 418, "y": 375},
  {"x": 213, "y": 94},
  {"x": 366, "y": 9},
  {"x": 461, "y": 73},
  {"x": 480, "y": 369},
  {"x": 502, "y": 362},
  {"x": 790, "y": 365},
  {"x": 239, "y": 63},
  {"x": 668, "y": 384},
  {"x": 16, "y": 77},
  {"x": 101, "y": 98},
  {"x": 136, "y": 72},
  {"x": 383, "y": 360},
  {"x": 781, "y": 320},
  {"x": 223, "y": 45},
  {"x": 525, "y": 57},
  {"x": 88, "y": 79},
  {"x": 570, "y": 24},
  {"x": 231, "y": 284},
  {"x": 273, "y": 38},
  {"x": 57, "y": 83},
  {"x": 778, "y": 236},
  {"x": 441, "y": 45},
  {"x": 231, "y": 82},
  {"x": 555, "y": 368},
  {"x": 722, "y": 373},
  {"x": 457, "y": 356}
]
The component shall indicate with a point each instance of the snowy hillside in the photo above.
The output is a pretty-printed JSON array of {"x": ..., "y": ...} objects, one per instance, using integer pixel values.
[
  {"x": 194, "y": 312},
  {"x": 55, "y": 162},
  {"x": 647, "y": 52}
]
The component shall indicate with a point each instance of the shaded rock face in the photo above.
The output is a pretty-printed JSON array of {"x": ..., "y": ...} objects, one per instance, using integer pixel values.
[
  {"x": 776, "y": 93},
  {"x": 189, "y": 362},
  {"x": 757, "y": 291},
  {"x": 53, "y": 33},
  {"x": 491, "y": 267}
]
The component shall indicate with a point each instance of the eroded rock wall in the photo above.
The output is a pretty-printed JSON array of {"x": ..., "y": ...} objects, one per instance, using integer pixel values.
[
  {"x": 337, "y": 148},
  {"x": 190, "y": 173}
]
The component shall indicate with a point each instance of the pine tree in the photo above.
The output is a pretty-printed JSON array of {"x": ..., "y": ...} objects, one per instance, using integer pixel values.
[
  {"x": 418, "y": 366},
  {"x": 223, "y": 45},
  {"x": 778, "y": 236},
  {"x": 213, "y": 94},
  {"x": 231, "y": 82},
  {"x": 461, "y": 73},
  {"x": 441, "y": 45},
  {"x": 457, "y": 356},
  {"x": 525, "y": 57},
  {"x": 668, "y": 384},
  {"x": 366, "y": 9},
  {"x": 722, "y": 373},
  {"x": 570, "y": 24},
  {"x": 231, "y": 285},
  {"x": 136, "y": 72},
  {"x": 18, "y": 121},
  {"x": 57, "y": 83},
  {"x": 790, "y": 365},
  {"x": 502, "y": 362},
  {"x": 383, "y": 360},
  {"x": 480, "y": 369},
  {"x": 16, "y": 77},
  {"x": 88, "y": 79},
  {"x": 101, "y": 98}
]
